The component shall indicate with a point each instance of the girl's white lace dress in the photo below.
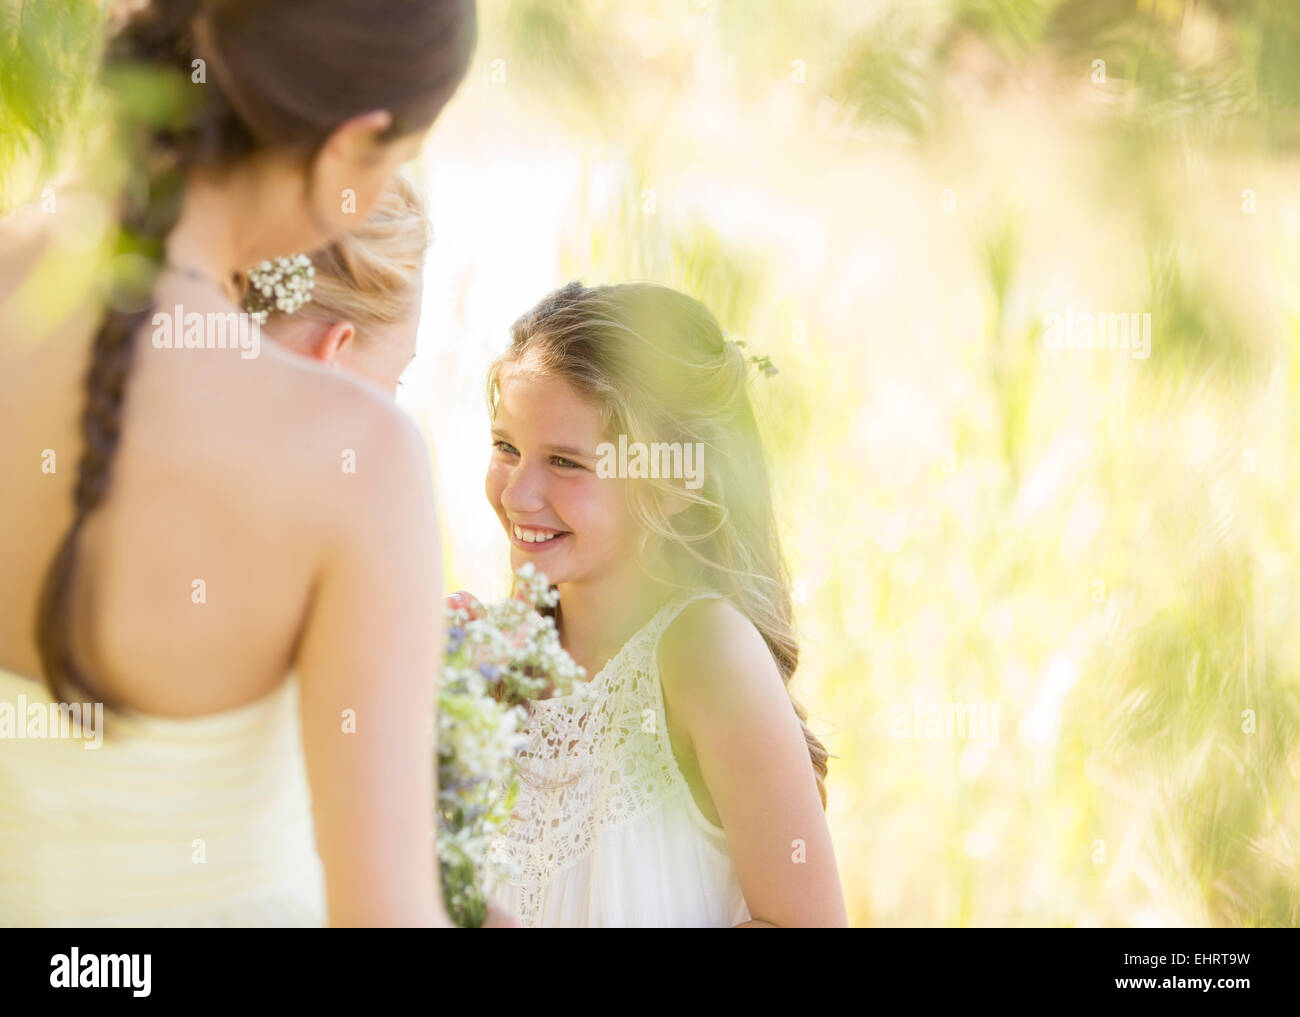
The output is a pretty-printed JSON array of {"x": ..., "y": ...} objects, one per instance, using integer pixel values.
[{"x": 605, "y": 832}]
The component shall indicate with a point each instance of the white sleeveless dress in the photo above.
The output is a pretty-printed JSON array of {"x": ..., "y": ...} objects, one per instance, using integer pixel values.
[
  {"x": 605, "y": 832},
  {"x": 189, "y": 822}
]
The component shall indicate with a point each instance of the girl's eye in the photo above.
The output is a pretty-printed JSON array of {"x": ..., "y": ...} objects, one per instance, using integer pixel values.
[
  {"x": 567, "y": 464},
  {"x": 506, "y": 447}
]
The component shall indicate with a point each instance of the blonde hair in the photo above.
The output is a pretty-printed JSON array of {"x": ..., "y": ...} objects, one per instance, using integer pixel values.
[
  {"x": 656, "y": 362},
  {"x": 369, "y": 277}
]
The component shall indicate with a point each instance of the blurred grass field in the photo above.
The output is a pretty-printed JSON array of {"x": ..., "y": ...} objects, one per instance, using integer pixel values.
[{"x": 888, "y": 199}]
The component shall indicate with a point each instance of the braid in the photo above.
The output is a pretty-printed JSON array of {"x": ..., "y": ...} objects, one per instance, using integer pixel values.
[
  {"x": 105, "y": 387},
  {"x": 150, "y": 207},
  {"x": 111, "y": 359}
]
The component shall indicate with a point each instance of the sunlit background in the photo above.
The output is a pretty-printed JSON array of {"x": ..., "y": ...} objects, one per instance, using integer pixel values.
[{"x": 1094, "y": 551}]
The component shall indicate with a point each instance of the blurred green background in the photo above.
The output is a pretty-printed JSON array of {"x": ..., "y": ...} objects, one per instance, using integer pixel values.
[{"x": 890, "y": 198}]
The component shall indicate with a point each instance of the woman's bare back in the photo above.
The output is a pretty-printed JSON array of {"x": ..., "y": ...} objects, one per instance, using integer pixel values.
[{"x": 232, "y": 477}]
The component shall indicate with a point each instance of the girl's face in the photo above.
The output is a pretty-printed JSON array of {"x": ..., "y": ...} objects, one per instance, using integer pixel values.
[{"x": 571, "y": 524}]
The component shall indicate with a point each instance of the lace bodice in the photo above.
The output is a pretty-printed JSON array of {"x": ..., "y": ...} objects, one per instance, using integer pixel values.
[{"x": 595, "y": 760}]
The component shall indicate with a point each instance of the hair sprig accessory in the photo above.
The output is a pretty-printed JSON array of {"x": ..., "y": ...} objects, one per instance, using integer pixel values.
[
  {"x": 282, "y": 284},
  {"x": 763, "y": 363}
]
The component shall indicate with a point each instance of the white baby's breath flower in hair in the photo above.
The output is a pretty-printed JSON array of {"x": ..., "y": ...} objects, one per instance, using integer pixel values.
[{"x": 282, "y": 284}]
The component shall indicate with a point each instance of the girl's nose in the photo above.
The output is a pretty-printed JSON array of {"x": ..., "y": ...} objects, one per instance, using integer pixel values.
[{"x": 523, "y": 492}]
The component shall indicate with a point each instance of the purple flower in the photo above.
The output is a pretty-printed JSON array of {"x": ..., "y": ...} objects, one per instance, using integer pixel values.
[
  {"x": 489, "y": 671},
  {"x": 455, "y": 638}
]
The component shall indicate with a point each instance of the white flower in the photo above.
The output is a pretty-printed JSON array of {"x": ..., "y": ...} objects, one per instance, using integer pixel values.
[{"x": 282, "y": 284}]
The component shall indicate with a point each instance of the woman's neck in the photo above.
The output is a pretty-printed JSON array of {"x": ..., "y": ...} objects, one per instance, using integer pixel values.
[
  {"x": 596, "y": 617},
  {"x": 205, "y": 239},
  {"x": 232, "y": 221}
]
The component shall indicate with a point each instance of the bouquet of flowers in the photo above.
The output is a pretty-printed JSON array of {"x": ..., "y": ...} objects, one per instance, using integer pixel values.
[{"x": 498, "y": 656}]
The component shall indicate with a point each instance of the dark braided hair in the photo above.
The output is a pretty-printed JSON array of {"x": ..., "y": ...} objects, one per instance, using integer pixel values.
[{"x": 280, "y": 73}]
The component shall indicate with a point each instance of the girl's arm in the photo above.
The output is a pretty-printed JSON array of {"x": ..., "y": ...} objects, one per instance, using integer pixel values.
[{"x": 726, "y": 693}]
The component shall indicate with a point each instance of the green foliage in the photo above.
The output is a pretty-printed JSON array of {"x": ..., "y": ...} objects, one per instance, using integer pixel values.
[
  {"x": 48, "y": 55},
  {"x": 1015, "y": 27},
  {"x": 885, "y": 80},
  {"x": 555, "y": 47},
  {"x": 1197, "y": 332},
  {"x": 684, "y": 252}
]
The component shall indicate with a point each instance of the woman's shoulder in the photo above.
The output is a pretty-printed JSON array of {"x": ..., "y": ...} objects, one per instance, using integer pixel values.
[
  {"x": 338, "y": 407},
  {"x": 322, "y": 439},
  {"x": 353, "y": 469}
]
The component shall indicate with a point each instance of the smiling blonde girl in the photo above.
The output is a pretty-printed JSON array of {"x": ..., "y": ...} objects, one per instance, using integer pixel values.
[{"x": 679, "y": 786}]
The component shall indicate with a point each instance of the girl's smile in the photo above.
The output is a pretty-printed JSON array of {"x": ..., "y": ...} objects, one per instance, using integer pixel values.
[{"x": 533, "y": 539}]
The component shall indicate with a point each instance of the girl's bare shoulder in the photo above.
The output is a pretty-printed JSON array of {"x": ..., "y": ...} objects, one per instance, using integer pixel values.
[{"x": 711, "y": 641}]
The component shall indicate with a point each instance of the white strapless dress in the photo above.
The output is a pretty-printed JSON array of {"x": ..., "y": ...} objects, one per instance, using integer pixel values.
[
  {"x": 193, "y": 822},
  {"x": 605, "y": 832}
]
